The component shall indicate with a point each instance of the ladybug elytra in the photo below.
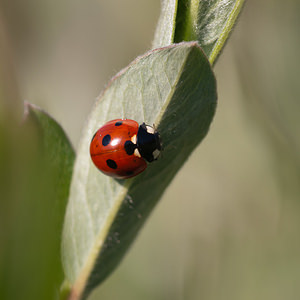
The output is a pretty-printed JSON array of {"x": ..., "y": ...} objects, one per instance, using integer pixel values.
[{"x": 121, "y": 148}]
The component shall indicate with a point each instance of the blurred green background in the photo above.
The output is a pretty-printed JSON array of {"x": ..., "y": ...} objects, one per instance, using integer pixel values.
[{"x": 228, "y": 226}]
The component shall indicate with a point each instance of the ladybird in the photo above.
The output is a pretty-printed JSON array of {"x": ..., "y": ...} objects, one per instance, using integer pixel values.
[{"x": 121, "y": 148}]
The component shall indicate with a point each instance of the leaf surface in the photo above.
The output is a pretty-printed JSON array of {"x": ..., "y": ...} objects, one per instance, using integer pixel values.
[
  {"x": 165, "y": 29},
  {"x": 173, "y": 88},
  {"x": 56, "y": 157},
  {"x": 207, "y": 21},
  {"x": 59, "y": 156}
]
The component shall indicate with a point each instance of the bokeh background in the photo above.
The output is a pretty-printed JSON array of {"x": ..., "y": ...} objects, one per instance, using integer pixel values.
[{"x": 228, "y": 226}]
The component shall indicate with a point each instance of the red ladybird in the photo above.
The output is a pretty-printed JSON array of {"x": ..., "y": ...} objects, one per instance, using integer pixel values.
[{"x": 120, "y": 148}]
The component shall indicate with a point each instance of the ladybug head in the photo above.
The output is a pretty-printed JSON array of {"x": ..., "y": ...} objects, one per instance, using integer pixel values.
[{"x": 148, "y": 142}]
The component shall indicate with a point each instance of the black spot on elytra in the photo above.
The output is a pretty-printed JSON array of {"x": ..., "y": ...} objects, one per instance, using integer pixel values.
[
  {"x": 129, "y": 147},
  {"x": 129, "y": 173},
  {"x": 119, "y": 123},
  {"x": 111, "y": 163},
  {"x": 106, "y": 140}
]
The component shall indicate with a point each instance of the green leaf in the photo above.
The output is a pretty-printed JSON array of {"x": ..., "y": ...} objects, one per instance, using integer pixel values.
[
  {"x": 208, "y": 22},
  {"x": 57, "y": 156},
  {"x": 36, "y": 165},
  {"x": 60, "y": 155},
  {"x": 173, "y": 88},
  {"x": 165, "y": 29}
]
